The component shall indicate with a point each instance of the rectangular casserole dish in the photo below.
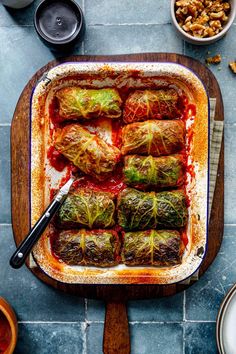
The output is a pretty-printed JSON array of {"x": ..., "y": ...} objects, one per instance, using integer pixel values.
[{"x": 44, "y": 178}]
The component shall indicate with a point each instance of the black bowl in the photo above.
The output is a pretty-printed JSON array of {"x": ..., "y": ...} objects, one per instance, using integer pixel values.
[{"x": 59, "y": 23}]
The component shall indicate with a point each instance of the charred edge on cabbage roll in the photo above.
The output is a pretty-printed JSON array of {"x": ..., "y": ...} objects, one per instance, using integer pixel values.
[
  {"x": 158, "y": 172},
  {"x": 141, "y": 210},
  {"x": 87, "y": 151},
  {"x": 77, "y": 103},
  {"x": 152, "y": 247},
  {"x": 153, "y": 137},
  {"x": 92, "y": 248}
]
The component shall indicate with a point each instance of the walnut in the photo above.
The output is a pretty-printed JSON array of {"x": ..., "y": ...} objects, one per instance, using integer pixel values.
[
  {"x": 232, "y": 66},
  {"x": 202, "y": 18},
  {"x": 214, "y": 60}
]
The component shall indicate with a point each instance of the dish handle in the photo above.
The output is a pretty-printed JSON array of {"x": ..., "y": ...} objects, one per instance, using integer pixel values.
[{"x": 116, "y": 338}]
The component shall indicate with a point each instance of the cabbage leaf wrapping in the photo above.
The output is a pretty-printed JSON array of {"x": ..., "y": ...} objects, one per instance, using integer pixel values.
[
  {"x": 85, "y": 247},
  {"x": 149, "y": 210},
  {"x": 152, "y": 104},
  {"x": 152, "y": 247},
  {"x": 159, "y": 172},
  {"x": 153, "y": 137},
  {"x": 77, "y": 103},
  {"x": 87, "y": 151},
  {"x": 87, "y": 208}
]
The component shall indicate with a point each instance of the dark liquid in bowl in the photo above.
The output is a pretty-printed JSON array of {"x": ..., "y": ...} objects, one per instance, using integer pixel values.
[{"x": 58, "y": 21}]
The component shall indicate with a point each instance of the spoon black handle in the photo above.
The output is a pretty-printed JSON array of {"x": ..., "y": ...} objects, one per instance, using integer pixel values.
[{"x": 20, "y": 255}]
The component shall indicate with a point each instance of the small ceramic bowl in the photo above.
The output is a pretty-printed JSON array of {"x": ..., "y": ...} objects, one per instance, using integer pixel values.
[
  {"x": 225, "y": 323},
  {"x": 208, "y": 40},
  {"x": 60, "y": 24},
  {"x": 8, "y": 318}
]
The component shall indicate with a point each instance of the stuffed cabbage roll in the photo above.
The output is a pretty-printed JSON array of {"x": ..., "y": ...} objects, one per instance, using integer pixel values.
[
  {"x": 151, "y": 247},
  {"x": 141, "y": 210},
  {"x": 92, "y": 248},
  {"x": 77, "y": 103},
  {"x": 153, "y": 137},
  {"x": 158, "y": 172},
  {"x": 87, "y": 151},
  {"x": 152, "y": 104},
  {"x": 87, "y": 208}
]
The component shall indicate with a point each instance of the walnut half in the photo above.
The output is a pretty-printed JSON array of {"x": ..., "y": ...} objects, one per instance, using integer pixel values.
[
  {"x": 214, "y": 60},
  {"x": 232, "y": 66}
]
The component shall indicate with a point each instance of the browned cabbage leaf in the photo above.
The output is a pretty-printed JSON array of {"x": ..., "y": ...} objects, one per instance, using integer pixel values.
[
  {"x": 87, "y": 151},
  {"x": 83, "y": 247},
  {"x": 152, "y": 247},
  {"x": 76, "y": 103},
  {"x": 153, "y": 137},
  {"x": 87, "y": 208},
  {"x": 141, "y": 210},
  {"x": 152, "y": 104}
]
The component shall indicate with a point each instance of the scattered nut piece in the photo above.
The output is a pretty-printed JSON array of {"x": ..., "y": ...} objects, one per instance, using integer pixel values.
[
  {"x": 232, "y": 66},
  {"x": 202, "y": 18},
  {"x": 214, "y": 60}
]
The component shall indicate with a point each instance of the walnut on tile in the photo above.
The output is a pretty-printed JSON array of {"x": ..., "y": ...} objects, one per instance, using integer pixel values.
[
  {"x": 232, "y": 66},
  {"x": 216, "y": 59}
]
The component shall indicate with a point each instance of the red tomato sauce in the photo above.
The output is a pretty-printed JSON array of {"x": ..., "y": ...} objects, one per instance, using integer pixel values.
[
  {"x": 5, "y": 333},
  {"x": 113, "y": 184},
  {"x": 56, "y": 159}
]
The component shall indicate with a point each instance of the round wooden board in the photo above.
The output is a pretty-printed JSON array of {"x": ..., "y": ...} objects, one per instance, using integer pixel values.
[{"x": 20, "y": 177}]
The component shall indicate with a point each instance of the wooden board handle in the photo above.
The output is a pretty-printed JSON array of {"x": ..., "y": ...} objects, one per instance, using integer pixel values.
[{"x": 116, "y": 339}]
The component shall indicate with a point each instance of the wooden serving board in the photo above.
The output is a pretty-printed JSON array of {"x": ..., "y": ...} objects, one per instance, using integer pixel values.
[{"x": 116, "y": 338}]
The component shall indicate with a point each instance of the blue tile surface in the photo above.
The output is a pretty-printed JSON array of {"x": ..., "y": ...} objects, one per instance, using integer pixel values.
[
  {"x": 31, "y": 299},
  {"x": 94, "y": 336},
  {"x": 48, "y": 338},
  {"x": 204, "y": 298},
  {"x": 126, "y": 12},
  {"x": 200, "y": 338},
  {"x": 164, "y": 326},
  {"x": 156, "y": 338},
  {"x": 131, "y": 39},
  {"x": 5, "y": 204},
  {"x": 148, "y": 338},
  {"x": 164, "y": 309},
  {"x": 95, "y": 310}
]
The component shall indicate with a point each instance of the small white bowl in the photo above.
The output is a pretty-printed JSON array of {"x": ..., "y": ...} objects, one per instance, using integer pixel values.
[{"x": 208, "y": 40}]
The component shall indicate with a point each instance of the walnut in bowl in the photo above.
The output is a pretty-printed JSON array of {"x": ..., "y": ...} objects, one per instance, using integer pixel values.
[{"x": 203, "y": 21}]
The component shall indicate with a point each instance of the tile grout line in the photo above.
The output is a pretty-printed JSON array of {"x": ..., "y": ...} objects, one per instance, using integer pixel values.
[
  {"x": 184, "y": 306},
  {"x": 49, "y": 322},
  {"x": 102, "y": 24},
  {"x": 87, "y": 322},
  {"x": 82, "y": 47},
  {"x": 85, "y": 326},
  {"x": 99, "y": 24},
  {"x": 5, "y": 124},
  {"x": 127, "y": 24},
  {"x": 184, "y": 338}
]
